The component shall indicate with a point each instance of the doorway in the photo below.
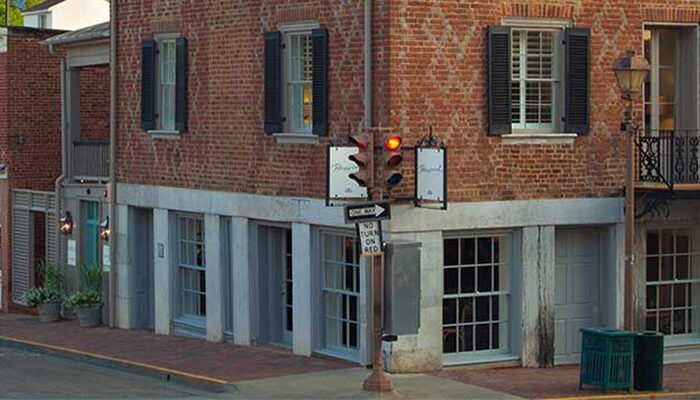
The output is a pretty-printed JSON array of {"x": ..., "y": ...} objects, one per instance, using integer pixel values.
[
  {"x": 142, "y": 249},
  {"x": 276, "y": 284},
  {"x": 577, "y": 289}
]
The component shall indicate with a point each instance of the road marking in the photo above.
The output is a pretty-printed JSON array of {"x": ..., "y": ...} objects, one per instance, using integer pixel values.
[
  {"x": 624, "y": 396},
  {"x": 119, "y": 360}
]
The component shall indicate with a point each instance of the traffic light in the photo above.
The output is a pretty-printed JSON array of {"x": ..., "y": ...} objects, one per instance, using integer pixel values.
[
  {"x": 364, "y": 159},
  {"x": 391, "y": 161}
]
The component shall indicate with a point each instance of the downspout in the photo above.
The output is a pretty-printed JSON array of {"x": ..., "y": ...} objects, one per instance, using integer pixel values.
[
  {"x": 112, "y": 158},
  {"x": 368, "y": 64},
  {"x": 64, "y": 151}
]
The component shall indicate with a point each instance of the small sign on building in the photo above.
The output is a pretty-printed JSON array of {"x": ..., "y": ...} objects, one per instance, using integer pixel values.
[
  {"x": 106, "y": 259},
  {"x": 431, "y": 176},
  {"x": 370, "y": 236},
  {"x": 339, "y": 186},
  {"x": 71, "y": 258}
]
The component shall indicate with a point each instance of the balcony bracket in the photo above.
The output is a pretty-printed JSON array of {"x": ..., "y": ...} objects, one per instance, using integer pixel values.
[{"x": 656, "y": 203}]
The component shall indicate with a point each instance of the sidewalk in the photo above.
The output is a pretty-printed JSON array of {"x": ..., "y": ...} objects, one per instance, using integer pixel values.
[{"x": 562, "y": 382}]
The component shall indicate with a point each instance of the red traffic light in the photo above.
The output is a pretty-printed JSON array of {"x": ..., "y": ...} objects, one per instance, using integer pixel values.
[{"x": 393, "y": 143}]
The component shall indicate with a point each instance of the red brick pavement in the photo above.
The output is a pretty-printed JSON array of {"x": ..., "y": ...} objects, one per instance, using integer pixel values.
[
  {"x": 561, "y": 381},
  {"x": 214, "y": 360}
]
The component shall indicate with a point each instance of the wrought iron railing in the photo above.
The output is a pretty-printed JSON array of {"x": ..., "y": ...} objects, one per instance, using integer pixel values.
[
  {"x": 90, "y": 160},
  {"x": 668, "y": 157}
]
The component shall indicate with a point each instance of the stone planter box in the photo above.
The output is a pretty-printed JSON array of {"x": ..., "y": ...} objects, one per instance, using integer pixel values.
[
  {"x": 50, "y": 311},
  {"x": 89, "y": 315}
]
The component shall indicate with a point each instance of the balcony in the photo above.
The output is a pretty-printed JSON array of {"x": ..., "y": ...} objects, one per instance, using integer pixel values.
[
  {"x": 668, "y": 160},
  {"x": 89, "y": 160}
]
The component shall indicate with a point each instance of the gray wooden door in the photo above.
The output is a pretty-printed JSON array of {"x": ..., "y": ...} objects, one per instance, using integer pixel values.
[
  {"x": 576, "y": 292},
  {"x": 142, "y": 247}
]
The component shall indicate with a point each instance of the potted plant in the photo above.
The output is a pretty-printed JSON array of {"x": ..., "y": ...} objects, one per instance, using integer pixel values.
[
  {"x": 48, "y": 296},
  {"x": 87, "y": 302}
]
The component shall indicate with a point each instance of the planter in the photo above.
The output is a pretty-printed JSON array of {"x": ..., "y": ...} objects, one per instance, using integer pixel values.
[
  {"x": 89, "y": 315},
  {"x": 68, "y": 312},
  {"x": 50, "y": 311}
]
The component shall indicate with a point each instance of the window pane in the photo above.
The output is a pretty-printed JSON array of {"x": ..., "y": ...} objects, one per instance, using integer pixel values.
[
  {"x": 301, "y": 76},
  {"x": 466, "y": 310},
  {"x": 449, "y": 311},
  {"x": 450, "y": 280},
  {"x": 468, "y": 255},
  {"x": 468, "y": 280},
  {"x": 466, "y": 338},
  {"x": 451, "y": 252}
]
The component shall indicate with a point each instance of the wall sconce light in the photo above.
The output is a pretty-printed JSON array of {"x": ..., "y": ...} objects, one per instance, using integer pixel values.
[
  {"x": 66, "y": 222},
  {"x": 104, "y": 229}
]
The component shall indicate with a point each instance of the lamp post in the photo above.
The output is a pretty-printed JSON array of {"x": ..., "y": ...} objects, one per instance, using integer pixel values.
[{"x": 631, "y": 71}]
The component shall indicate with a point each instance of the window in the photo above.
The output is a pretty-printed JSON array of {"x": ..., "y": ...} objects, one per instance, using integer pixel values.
[
  {"x": 475, "y": 295},
  {"x": 673, "y": 282},
  {"x": 166, "y": 84},
  {"x": 296, "y": 80},
  {"x": 672, "y": 55},
  {"x": 191, "y": 266},
  {"x": 535, "y": 79},
  {"x": 300, "y": 75},
  {"x": 341, "y": 294},
  {"x": 539, "y": 77}
]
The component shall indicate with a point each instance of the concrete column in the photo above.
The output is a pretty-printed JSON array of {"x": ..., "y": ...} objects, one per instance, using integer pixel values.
[
  {"x": 214, "y": 275},
  {"x": 240, "y": 254},
  {"x": 538, "y": 286},
  {"x": 163, "y": 271},
  {"x": 302, "y": 289},
  {"x": 125, "y": 273}
]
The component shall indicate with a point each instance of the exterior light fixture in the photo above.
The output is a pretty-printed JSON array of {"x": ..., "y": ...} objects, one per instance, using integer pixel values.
[
  {"x": 104, "y": 229},
  {"x": 66, "y": 223},
  {"x": 631, "y": 71}
]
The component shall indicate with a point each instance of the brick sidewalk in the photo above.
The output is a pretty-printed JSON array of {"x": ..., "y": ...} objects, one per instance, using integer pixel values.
[
  {"x": 223, "y": 361},
  {"x": 561, "y": 381}
]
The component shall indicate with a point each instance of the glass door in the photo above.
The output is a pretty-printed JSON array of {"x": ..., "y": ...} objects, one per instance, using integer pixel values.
[{"x": 90, "y": 232}]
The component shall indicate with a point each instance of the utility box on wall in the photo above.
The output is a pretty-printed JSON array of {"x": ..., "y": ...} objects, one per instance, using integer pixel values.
[{"x": 402, "y": 288}]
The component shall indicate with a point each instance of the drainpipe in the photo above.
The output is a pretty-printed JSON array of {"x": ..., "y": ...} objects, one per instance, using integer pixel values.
[
  {"x": 112, "y": 158},
  {"x": 64, "y": 150},
  {"x": 368, "y": 63}
]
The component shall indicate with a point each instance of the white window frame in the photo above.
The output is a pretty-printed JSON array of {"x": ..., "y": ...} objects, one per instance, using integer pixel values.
[
  {"x": 198, "y": 319},
  {"x": 160, "y": 128},
  {"x": 345, "y": 352},
  {"x": 556, "y": 130},
  {"x": 693, "y": 282},
  {"x": 507, "y": 311},
  {"x": 289, "y": 134}
]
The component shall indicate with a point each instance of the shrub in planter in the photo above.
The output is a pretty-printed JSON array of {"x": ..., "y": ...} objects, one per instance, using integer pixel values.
[
  {"x": 88, "y": 306},
  {"x": 48, "y": 297}
]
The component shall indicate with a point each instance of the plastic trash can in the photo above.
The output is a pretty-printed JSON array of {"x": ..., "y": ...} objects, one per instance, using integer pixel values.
[
  {"x": 606, "y": 358},
  {"x": 649, "y": 361}
]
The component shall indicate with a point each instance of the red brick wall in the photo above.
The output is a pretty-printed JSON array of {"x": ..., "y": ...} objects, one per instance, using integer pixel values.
[
  {"x": 30, "y": 126},
  {"x": 94, "y": 103},
  {"x": 429, "y": 70}
]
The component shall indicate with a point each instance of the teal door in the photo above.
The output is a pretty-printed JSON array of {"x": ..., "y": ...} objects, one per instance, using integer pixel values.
[{"x": 90, "y": 233}]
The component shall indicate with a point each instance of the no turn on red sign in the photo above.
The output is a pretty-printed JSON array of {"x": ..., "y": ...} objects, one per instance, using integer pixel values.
[{"x": 370, "y": 236}]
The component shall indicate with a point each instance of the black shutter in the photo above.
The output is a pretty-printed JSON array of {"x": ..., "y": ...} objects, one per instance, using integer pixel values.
[
  {"x": 181, "y": 85},
  {"x": 499, "y": 64},
  {"x": 273, "y": 82},
  {"x": 148, "y": 84},
  {"x": 577, "y": 80},
  {"x": 319, "y": 91}
]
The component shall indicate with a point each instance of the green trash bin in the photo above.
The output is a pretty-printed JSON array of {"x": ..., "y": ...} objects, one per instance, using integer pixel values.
[
  {"x": 606, "y": 358},
  {"x": 649, "y": 361}
]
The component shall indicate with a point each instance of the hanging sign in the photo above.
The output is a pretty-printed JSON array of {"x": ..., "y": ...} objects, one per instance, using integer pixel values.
[
  {"x": 106, "y": 259},
  {"x": 370, "y": 236},
  {"x": 431, "y": 175},
  {"x": 339, "y": 186}
]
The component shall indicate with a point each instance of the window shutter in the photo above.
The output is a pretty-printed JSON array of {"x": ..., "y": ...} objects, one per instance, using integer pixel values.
[
  {"x": 181, "y": 85},
  {"x": 319, "y": 88},
  {"x": 577, "y": 80},
  {"x": 499, "y": 64},
  {"x": 273, "y": 82},
  {"x": 148, "y": 84}
]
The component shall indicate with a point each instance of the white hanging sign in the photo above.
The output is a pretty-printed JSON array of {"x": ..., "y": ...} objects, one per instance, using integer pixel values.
[
  {"x": 106, "y": 259},
  {"x": 338, "y": 169},
  {"x": 72, "y": 253},
  {"x": 430, "y": 175},
  {"x": 370, "y": 236}
]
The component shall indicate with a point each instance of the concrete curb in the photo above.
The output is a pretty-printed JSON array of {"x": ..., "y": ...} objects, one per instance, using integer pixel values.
[{"x": 199, "y": 382}]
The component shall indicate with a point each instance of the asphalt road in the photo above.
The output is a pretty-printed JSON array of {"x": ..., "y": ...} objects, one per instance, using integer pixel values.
[{"x": 26, "y": 375}]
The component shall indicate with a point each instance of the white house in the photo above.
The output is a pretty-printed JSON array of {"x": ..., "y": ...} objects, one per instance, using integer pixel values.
[{"x": 67, "y": 15}]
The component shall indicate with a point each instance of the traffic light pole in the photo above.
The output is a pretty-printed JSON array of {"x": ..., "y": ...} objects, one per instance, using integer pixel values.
[{"x": 378, "y": 381}]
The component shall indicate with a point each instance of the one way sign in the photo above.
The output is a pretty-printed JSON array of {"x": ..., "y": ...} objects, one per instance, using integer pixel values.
[{"x": 367, "y": 212}]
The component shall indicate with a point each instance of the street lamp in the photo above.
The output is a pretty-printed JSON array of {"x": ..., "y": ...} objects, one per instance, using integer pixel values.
[{"x": 631, "y": 71}]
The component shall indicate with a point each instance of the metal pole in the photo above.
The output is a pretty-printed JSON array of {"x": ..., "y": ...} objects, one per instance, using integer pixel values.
[
  {"x": 7, "y": 12},
  {"x": 377, "y": 381},
  {"x": 629, "y": 218}
]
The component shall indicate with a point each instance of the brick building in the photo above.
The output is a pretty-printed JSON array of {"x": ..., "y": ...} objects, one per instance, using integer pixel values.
[
  {"x": 224, "y": 116},
  {"x": 30, "y": 143}
]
